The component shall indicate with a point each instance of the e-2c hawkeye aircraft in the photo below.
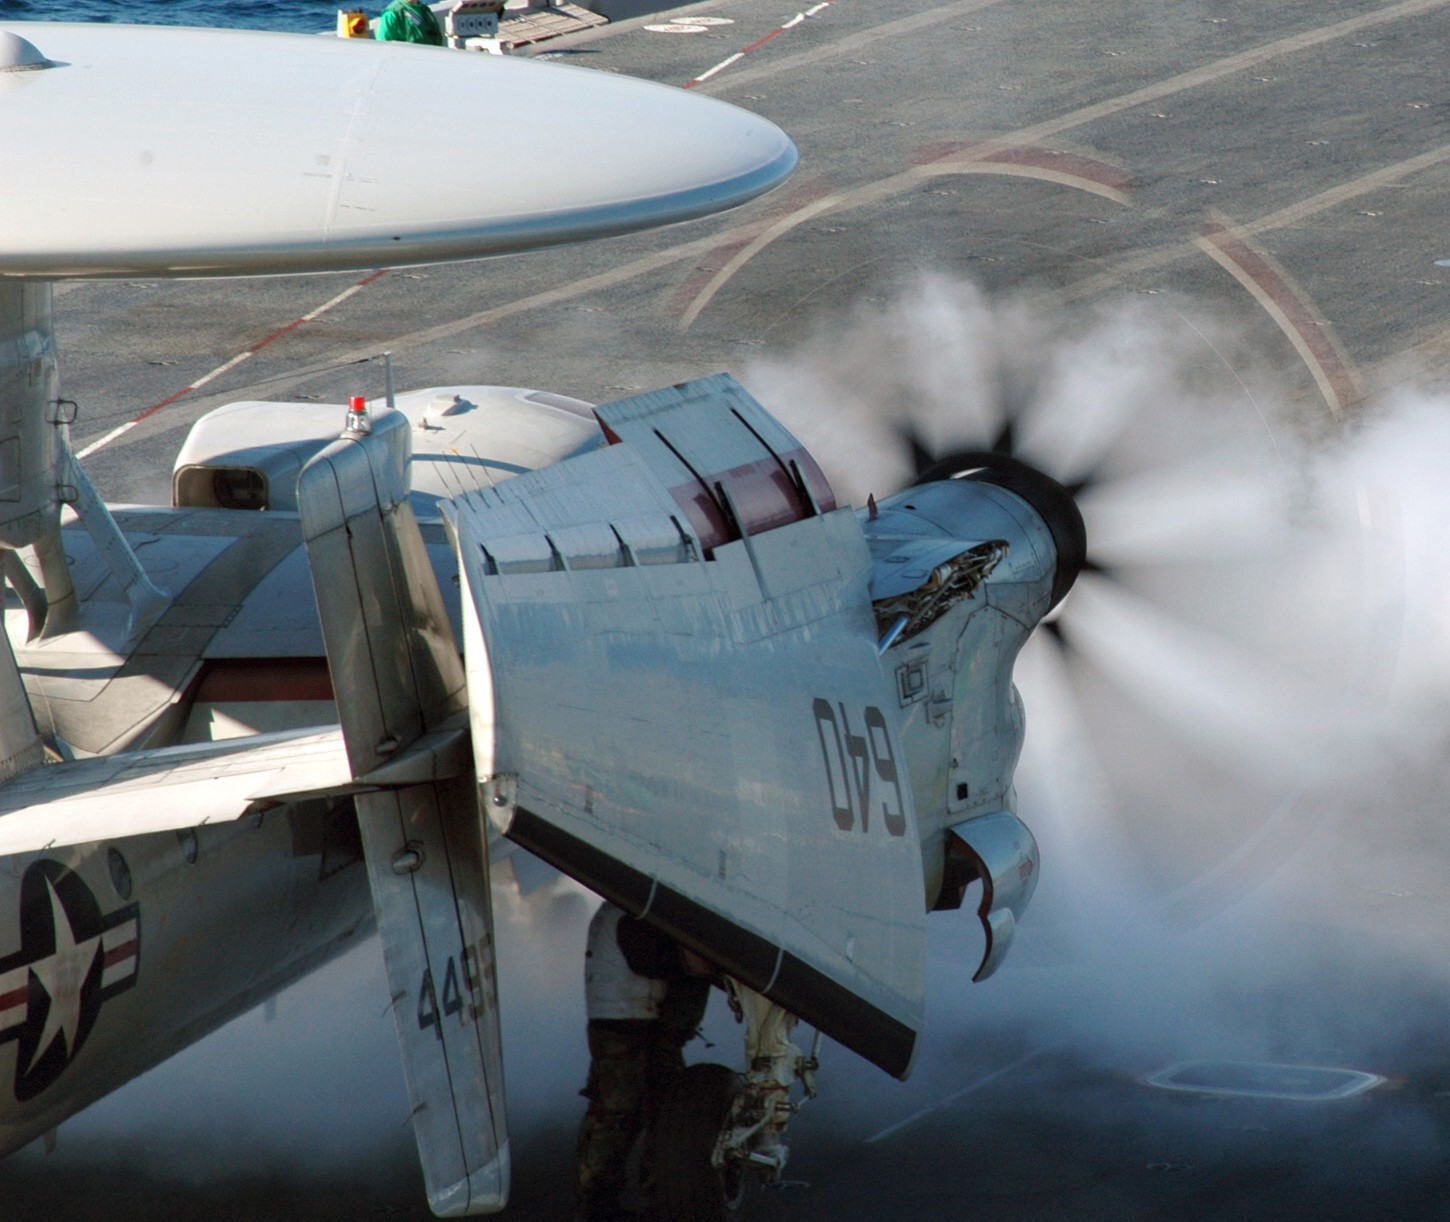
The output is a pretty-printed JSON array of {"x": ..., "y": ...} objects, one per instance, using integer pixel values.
[{"x": 641, "y": 640}]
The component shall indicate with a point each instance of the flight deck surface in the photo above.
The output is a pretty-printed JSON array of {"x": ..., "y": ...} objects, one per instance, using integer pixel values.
[{"x": 1092, "y": 156}]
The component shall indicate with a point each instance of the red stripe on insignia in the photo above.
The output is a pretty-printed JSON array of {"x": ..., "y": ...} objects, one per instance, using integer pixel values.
[
  {"x": 16, "y": 997},
  {"x": 127, "y": 950}
]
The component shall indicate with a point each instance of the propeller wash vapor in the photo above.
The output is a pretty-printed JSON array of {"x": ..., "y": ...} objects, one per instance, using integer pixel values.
[{"x": 1239, "y": 643}]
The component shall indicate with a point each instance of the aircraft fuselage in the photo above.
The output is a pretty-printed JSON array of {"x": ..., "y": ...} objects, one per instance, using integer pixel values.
[{"x": 115, "y": 956}]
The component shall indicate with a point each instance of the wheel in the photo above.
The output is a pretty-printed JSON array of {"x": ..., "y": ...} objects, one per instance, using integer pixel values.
[{"x": 694, "y": 1111}]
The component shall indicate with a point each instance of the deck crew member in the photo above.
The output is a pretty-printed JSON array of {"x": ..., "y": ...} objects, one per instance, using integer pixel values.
[
  {"x": 645, "y": 997},
  {"x": 409, "y": 21}
]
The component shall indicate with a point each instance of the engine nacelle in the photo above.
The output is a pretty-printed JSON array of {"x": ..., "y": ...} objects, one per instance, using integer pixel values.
[{"x": 965, "y": 569}]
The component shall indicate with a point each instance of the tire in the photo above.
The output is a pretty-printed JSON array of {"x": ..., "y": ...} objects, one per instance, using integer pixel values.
[{"x": 687, "y": 1188}]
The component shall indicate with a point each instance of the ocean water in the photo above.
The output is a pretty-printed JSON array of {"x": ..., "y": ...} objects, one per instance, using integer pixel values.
[{"x": 302, "y": 16}]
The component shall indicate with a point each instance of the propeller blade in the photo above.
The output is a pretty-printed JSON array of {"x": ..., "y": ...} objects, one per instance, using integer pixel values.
[
  {"x": 1066, "y": 798},
  {"x": 1087, "y": 398},
  {"x": 1220, "y": 699},
  {"x": 921, "y": 457},
  {"x": 1207, "y": 510},
  {"x": 1065, "y": 795},
  {"x": 1004, "y": 442}
]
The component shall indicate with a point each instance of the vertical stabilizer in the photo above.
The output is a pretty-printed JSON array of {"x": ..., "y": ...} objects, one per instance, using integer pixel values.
[
  {"x": 20, "y": 745},
  {"x": 29, "y": 456},
  {"x": 32, "y": 446},
  {"x": 38, "y": 474},
  {"x": 399, "y": 684},
  {"x": 29, "y": 498}
]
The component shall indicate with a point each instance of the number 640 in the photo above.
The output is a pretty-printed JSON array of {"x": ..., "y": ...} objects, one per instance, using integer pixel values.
[{"x": 852, "y": 760}]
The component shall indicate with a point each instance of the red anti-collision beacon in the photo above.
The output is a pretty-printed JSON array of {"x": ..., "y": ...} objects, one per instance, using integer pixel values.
[{"x": 357, "y": 416}]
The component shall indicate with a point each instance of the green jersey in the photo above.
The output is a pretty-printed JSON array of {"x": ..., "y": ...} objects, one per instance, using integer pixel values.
[{"x": 409, "y": 21}]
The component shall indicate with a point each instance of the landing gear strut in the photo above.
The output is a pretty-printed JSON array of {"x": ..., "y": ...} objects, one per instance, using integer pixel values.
[{"x": 720, "y": 1131}]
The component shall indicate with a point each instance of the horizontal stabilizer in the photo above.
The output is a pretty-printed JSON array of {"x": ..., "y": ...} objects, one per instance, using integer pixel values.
[
  {"x": 675, "y": 696},
  {"x": 166, "y": 789}
]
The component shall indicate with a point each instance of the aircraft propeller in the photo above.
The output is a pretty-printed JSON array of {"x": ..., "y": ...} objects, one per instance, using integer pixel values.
[{"x": 1200, "y": 669}]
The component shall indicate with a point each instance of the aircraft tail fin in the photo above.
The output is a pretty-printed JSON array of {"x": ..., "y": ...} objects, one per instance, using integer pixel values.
[
  {"x": 400, "y": 698},
  {"x": 20, "y": 745}
]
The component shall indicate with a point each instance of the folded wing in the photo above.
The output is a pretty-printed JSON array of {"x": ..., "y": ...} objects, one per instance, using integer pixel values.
[{"x": 675, "y": 696}]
